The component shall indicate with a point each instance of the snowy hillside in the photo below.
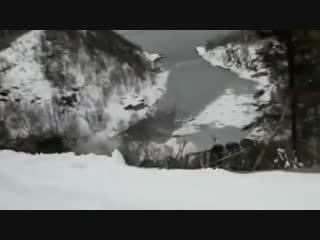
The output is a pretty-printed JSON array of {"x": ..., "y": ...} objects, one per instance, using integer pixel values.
[
  {"x": 98, "y": 182},
  {"x": 92, "y": 77},
  {"x": 228, "y": 110}
]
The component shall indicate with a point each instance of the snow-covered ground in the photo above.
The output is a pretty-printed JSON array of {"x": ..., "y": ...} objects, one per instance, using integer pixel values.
[
  {"x": 228, "y": 110},
  {"x": 97, "y": 182}
]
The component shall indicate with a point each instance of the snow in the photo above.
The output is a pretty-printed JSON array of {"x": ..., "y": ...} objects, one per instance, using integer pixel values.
[
  {"x": 25, "y": 78},
  {"x": 150, "y": 93},
  {"x": 132, "y": 101},
  {"x": 89, "y": 182},
  {"x": 232, "y": 110},
  {"x": 153, "y": 57},
  {"x": 228, "y": 110},
  {"x": 22, "y": 74}
]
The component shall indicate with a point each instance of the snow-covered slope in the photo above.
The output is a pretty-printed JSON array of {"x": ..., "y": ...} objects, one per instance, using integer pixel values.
[
  {"x": 98, "y": 182},
  {"x": 228, "y": 110},
  {"x": 78, "y": 73}
]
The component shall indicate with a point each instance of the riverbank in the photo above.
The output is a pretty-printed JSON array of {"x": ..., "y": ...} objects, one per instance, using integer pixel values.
[{"x": 230, "y": 109}]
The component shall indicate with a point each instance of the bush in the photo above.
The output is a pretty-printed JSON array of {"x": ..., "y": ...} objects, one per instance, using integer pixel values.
[{"x": 40, "y": 144}]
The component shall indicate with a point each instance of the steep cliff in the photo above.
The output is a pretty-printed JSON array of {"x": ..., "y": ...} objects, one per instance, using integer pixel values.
[{"x": 79, "y": 83}]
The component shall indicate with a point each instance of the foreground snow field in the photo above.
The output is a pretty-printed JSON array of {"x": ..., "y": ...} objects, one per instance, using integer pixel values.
[{"x": 86, "y": 182}]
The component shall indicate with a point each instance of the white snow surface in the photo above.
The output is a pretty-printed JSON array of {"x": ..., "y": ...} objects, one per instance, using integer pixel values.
[
  {"x": 153, "y": 57},
  {"x": 89, "y": 182},
  {"x": 228, "y": 110},
  {"x": 25, "y": 71}
]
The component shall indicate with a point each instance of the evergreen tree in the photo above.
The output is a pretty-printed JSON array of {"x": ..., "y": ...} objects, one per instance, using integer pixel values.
[{"x": 300, "y": 78}]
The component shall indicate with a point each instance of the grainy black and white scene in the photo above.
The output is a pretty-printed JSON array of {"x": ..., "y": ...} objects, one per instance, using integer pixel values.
[{"x": 159, "y": 119}]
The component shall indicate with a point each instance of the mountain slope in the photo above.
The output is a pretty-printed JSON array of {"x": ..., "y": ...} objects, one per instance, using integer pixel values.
[{"x": 79, "y": 82}]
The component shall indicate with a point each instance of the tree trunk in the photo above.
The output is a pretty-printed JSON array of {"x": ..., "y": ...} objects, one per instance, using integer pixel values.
[{"x": 293, "y": 92}]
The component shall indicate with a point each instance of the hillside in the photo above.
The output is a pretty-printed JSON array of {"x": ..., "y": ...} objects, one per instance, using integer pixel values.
[{"x": 77, "y": 84}]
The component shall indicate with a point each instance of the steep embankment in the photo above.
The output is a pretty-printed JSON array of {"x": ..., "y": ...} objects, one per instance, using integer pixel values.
[{"x": 81, "y": 83}]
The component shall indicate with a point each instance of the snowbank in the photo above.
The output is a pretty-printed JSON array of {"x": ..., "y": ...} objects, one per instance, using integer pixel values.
[{"x": 97, "y": 182}]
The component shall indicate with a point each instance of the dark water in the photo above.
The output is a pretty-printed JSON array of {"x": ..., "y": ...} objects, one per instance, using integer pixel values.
[{"x": 193, "y": 82}]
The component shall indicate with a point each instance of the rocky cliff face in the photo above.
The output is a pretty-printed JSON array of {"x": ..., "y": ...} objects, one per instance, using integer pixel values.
[{"x": 76, "y": 82}]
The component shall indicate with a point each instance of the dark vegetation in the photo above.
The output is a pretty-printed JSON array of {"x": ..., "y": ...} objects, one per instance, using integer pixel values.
[
  {"x": 233, "y": 156},
  {"x": 34, "y": 137},
  {"x": 293, "y": 58},
  {"x": 236, "y": 37},
  {"x": 40, "y": 144},
  {"x": 301, "y": 80}
]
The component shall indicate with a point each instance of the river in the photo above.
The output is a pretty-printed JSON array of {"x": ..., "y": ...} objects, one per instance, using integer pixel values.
[{"x": 193, "y": 82}]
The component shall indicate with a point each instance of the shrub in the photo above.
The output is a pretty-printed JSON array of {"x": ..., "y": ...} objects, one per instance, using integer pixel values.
[{"x": 48, "y": 144}]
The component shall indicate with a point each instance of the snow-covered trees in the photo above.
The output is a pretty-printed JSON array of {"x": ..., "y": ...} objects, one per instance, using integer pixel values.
[{"x": 290, "y": 118}]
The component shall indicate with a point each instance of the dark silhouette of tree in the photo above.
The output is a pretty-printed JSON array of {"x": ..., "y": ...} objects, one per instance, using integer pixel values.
[{"x": 303, "y": 57}]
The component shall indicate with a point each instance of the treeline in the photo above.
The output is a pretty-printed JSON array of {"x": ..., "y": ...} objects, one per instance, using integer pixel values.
[
  {"x": 236, "y": 37},
  {"x": 300, "y": 80}
]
